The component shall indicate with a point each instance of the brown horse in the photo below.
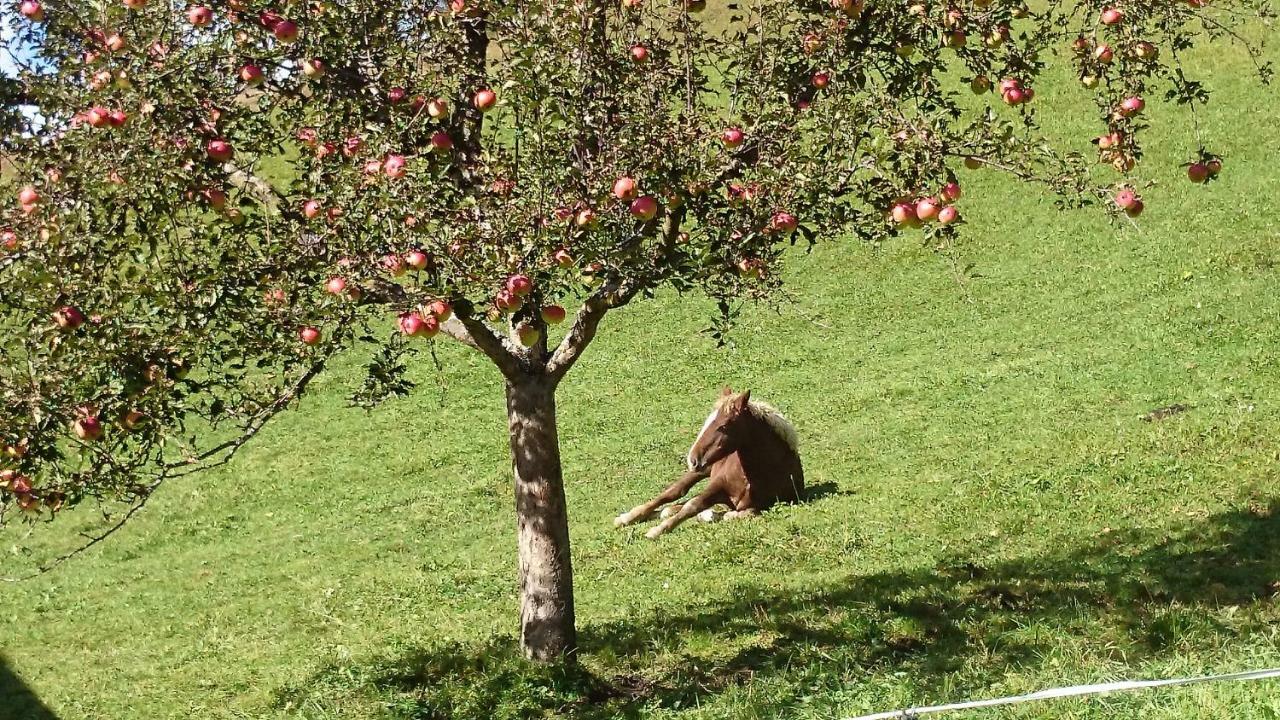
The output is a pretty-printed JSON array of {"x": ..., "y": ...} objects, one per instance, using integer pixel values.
[{"x": 750, "y": 452}]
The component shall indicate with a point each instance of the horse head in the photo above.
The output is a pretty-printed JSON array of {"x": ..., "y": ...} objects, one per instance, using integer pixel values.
[{"x": 723, "y": 433}]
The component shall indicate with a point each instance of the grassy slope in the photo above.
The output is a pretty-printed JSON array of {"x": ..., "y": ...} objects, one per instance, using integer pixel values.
[{"x": 994, "y": 519}]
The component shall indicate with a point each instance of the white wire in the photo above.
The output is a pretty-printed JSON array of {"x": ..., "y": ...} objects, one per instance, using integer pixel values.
[{"x": 1073, "y": 691}]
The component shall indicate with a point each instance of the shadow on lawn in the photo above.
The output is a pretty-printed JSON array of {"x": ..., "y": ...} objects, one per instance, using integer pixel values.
[
  {"x": 17, "y": 702},
  {"x": 1149, "y": 595}
]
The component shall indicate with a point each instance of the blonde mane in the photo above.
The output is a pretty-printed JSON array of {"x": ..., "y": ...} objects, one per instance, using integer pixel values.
[{"x": 771, "y": 416}]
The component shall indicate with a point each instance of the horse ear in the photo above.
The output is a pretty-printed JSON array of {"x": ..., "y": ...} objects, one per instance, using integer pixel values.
[{"x": 743, "y": 400}]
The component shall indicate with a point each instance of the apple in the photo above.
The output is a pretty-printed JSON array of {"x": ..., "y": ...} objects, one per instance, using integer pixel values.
[
  {"x": 951, "y": 192},
  {"x": 586, "y": 217},
  {"x": 1214, "y": 166},
  {"x": 783, "y": 222},
  {"x": 115, "y": 43},
  {"x": 507, "y": 301},
  {"x": 956, "y": 39},
  {"x": 927, "y": 208},
  {"x": 751, "y": 267},
  {"x": 948, "y": 215},
  {"x": 1126, "y": 199},
  {"x": 216, "y": 198},
  {"x": 644, "y": 207},
  {"x": 314, "y": 68},
  {"x": 732, "y": 137},
  {"x": 1146, "y": 51},
  {"x": 437, "y": 108},
  {"x": 519, "y": 285},
  {"x": 411, "y": 324},
  {"x": 274, "y": 296},
  {"x": 352, "y": 146},
  {"x": 903, "y": 213},
  {"x": 68, "y": 317},
  {"x": 980, "y": 85},
  {"x": 1014, "y": 96},
  {"x": 1104, "y": 54},
  {"x": 131, "y": 419},
  {"x": 135, "y": 4},
  {"x": 440, "y": 310},
  {"x": 219, "y": 150},
  {"x": 441, "y": 142},
  {"x": 561, "y": 257},
  {"x": 87, "y": 428},
  {"x": 98, "y": 117},
  {"x": 286, "y": 31},
  {"x": 624, "y": 188},
  {"x": 336, "y": 285},
  {"x": 397, "y": 95},
  {"x": 394, "y": 166},
  {"x": 553, "y": 314},
  {"x": 311, "y": 209},
  {"x": 639, "y": 53},
  {"x": 393, "y": 264},
  {"x": 1131, "y": 106},
  {"x": 309, "y": 335},
  {"x": 8, "y": 240},
  {"x": 32, "y": 10},
  {"x": 252, "y": 75},
  {"x": 528, "y": 334},
  {"x": 416, "y": 259},
  {"x": 484, "y": 100},
  {"x": 199, "y": 15},
  {"x": 1081, "y": 45},
  {"x": 820, "y": 80},
  {"x": 1198, "y": 172},
  {"x": 28, "y": 196},
  {"x": 1112, "y": 16}
]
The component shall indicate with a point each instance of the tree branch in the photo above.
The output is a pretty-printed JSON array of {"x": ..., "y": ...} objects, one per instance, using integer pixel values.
[
  {"x": 471, "y": 331},
  {"x": 586, "y": 323}
]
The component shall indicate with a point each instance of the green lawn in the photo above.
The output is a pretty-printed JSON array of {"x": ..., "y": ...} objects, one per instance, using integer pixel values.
[{"x": 993, "y": 516}]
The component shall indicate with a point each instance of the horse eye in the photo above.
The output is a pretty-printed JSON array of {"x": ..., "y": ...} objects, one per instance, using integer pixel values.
[{"x": 723, "y": 429}]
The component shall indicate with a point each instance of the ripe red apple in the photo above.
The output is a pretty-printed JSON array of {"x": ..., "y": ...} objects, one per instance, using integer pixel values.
[
  {"x": 274, "y": 296},
  {"x": 783, "y": 222},
  {"x": 68, "y": 317},
  {"x": 553, "y": 314},
  {"x": 441, "y": 142},
  {"x": 1112, "y": 16},
  {"x": 286, "y": 31},
  {"x": 336, "y": 285},
  {"x": 639, "y": 53},
  {"x": 1146, "y": 51},
  {"x": 1198, "y": 172},
  {"x": 820, "y": 80},
  {"x": 115, "y": 43},
  {"x": 560, "y": 256},
  {"x": 116, "y": 118},
  {"x": 507, "y": 301},
  {"x": 314, "y": 67},
  {"x": 8, "y": 240},
  {"x": 31, "y": 10},
  {"x": 1215, "y": 166},
  {"x": 903, "y": 213},
  {"x": 397, "y": 95},
  {"x": 951, "y": 192},
  {"x": 219, "y": 150},
  {"x": 87, "y": 428},
  {"x": 393, "y": 264},
  {"x": 1104, "y": 54},
  {"x": 416, "y": 259},
  {"x": 199, "y": 15},
  {"x": 484, "y": 100},
  {"x": 216, "y": 198},
  {"x": 438, "y": 108},
  {"x": 519, "y": 285},
  {"x": 309, "y": 335},
  {"x": 1131, "y": 106},
  {"x": 1014, "y": 96},
  {"x": 352, "y": 146},
  {"x": 644, "y": 207},
  {"x": 394, "y": 166},
  {"x": 440, "y": 310},
  {"x": 1126, "y": 199},
  {"x": 927, "y": 208},
  {"x": 732, "y": 137},
  {"x": 311, "y": 209},
  {"x": 411, "y": 324},
  {"x": 624, "y": 188},
  {"x": 948, "y": 215},
  {"x": 252, "y": 75},
  {"x": 98, "y": 117},
  {"x": 528, "y": 334},
  {"x": 135, "y": 4},
  {"x": 28, "y": 196}
]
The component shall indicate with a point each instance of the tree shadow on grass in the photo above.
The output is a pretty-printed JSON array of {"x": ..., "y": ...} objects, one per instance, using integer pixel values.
[
  {"x": 17, "y": 701},
  {"x": 947, "y": 627}
]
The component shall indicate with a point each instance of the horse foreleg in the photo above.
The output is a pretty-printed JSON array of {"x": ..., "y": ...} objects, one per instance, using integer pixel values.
[
  {"x": 675, "y": 491},
  {"x": 700, "y": 502}
]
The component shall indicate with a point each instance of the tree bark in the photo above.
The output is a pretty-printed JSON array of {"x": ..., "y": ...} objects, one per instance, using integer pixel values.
[{"x": 547, "y": 630}]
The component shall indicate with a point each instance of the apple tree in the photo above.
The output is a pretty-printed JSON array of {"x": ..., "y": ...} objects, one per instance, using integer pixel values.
[{"x": 203, "y": 204}]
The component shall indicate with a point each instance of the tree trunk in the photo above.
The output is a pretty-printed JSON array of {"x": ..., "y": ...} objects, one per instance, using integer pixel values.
[{"x": 547, "y": 629}]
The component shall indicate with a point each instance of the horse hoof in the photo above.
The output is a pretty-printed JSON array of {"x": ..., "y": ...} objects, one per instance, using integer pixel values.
[
  {"x": 708, "y": 516},
  {"x": 621, "y": 521},
  {"x": 654, "y": 533}
]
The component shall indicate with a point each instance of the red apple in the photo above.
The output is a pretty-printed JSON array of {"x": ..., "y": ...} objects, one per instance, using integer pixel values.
[
  {"x": 98, "y": 117},
  {"x": 820, "y": 80},
  {"x": 352, "y": 146},
  {"x": 903, "y": 213},
  {"x": 336, "y": 285},
  {"x": 87, "y": 428},
  {"x": 311, "y": 209},
  {"x": 1131, "y": 106},
  {"x": 31, "y": 10},
  {"x": 948, "y": 215},
  {"x": 507, "y": 301},
  {"x": 314, "y": 67},
  {"x": 529, "y": 334},
  {"x": 951, "y": 192},
  {"x": 1198, "y": 172},
  {"x": 68, "y": 317},
  {"x": 1146, "y": 51},
  {"x": 394, "y": 166},
  {"x": 440, "y": 310},
  {"x": 437, "y": 108},
  {"x": 416, "y": 259},
  {"x": 216, "y": 198},
  {"x": 927, "y": 208},
  {"x": 252, "y": 75},
  {"x": 199, "y": 15},
  {"x": 393, "y": 264},
  {"x": 732, "y": 137},
  {"x": 783, "y": 222},
  {"x": 441, "y": 142},
  {"x": 28, "y": 196},
  {"x": 639, "y": 53},
  {"x": 1126, "y": 199},
  {"x": 1112, "y": 16},
  {"x": 8, "y": 240},
  {"x": 116, "y": 118},
  {"x": 115, "y": 42},
  {"x": 219, "y": 150},
  {"x": 519, "y": 285},
  {"x": 286, "y": 31},
  {"x": 484, "y": 100},
  {"x": 553, "y": 314},
  {"x": 624, "y": 188},
  {"x": 1104, "y": 54},
  {"x": 1215, "y": 166},
  {"x": 397, "y": 95},
  {"x": 644, "y": 207},
  {"x": 309, "y": 335},
  {"x": 411, "y": 324}
]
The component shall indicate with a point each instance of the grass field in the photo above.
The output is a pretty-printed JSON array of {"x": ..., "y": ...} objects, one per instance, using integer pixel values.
[{"x": 992, "y": 515}]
